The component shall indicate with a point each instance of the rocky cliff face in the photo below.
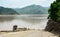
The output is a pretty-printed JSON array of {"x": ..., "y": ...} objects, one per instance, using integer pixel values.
[{"x": 53, "y": 26}]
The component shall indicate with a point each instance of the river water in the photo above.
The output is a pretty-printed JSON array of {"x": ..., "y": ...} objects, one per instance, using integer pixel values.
[{"x": 23, "y": 21}]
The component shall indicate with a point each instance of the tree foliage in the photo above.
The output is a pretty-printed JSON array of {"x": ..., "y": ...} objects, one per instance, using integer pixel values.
[{"x": 54, "y": 11}]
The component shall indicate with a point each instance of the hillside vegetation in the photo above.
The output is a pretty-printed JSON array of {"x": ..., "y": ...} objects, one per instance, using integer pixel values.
[
  {"x": 6, "y": 11},
  {"x": 32, "y": 9}
]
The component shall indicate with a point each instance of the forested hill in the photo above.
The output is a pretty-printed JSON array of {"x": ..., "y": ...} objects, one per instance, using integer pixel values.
[
  {"x": 32, "y": 9},
  {"x": 7, "y": 11}
]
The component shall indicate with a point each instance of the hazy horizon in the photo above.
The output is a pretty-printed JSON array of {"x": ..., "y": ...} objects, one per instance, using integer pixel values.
[{"x": 24, "y": 3}]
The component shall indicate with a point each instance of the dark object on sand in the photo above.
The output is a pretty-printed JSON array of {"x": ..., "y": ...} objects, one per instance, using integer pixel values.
[
  {"x": 14, "y": 27},
  {"x": 59, "y": 36}
]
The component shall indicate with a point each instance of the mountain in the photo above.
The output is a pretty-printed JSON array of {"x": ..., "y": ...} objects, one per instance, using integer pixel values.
[
  {"x": 32, "y": 9},
  {"x": 6, "y": 11}
]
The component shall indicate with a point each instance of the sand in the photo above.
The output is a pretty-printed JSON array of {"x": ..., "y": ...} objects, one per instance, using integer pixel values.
[{"x": 29, "y": 33}]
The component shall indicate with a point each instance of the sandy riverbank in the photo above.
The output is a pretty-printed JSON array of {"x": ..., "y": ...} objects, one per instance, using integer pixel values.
[{"x": 28, "y": 33}]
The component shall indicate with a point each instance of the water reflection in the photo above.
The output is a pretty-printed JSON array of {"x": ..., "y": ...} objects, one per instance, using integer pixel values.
[
  {"x": 4, "y": 18},
  {"x": 28, "y": 21}
]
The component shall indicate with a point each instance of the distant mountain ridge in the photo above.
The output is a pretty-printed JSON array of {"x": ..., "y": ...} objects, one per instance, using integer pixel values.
[
  {"x": 7, "y": 11},
  {"x": 32, "y": 9}
]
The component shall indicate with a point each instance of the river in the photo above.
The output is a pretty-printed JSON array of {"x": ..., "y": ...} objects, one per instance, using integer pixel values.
[{"x": 36, "y": 21}]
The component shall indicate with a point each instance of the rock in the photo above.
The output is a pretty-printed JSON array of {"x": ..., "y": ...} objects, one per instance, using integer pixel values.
[{"x": 53, "y": 26}]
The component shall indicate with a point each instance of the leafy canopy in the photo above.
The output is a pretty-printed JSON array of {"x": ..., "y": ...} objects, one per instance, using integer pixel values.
[{"x": 54, "y": 11}]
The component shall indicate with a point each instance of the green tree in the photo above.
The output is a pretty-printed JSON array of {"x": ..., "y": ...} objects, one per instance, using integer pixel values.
[{"x": 54, "y": 11}]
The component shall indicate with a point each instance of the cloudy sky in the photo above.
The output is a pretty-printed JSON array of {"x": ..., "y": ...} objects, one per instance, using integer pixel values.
[{"x": 23, "y": 3}]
